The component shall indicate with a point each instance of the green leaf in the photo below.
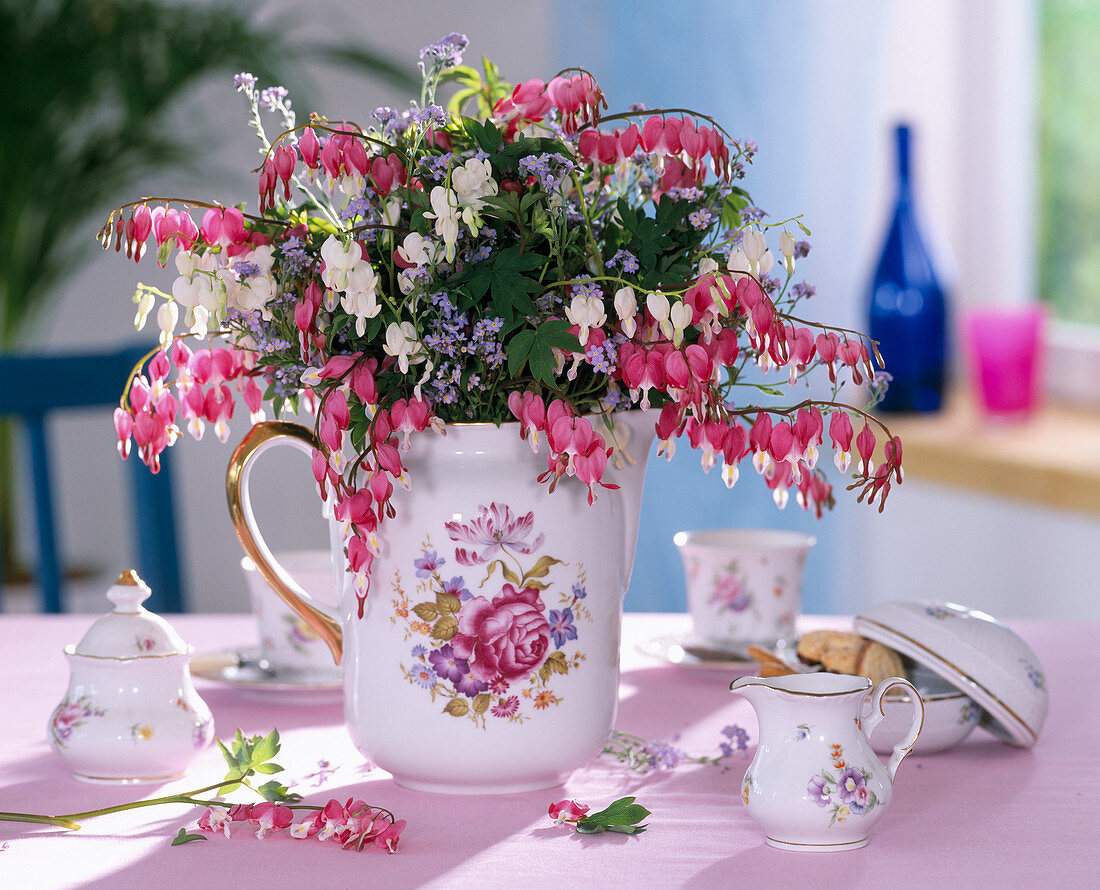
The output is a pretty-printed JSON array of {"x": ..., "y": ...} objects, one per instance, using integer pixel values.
[
  {"x": 555, "y": 332},
  {"x": 518, "y": 349},
  {"x": 265, "y": 748},
  {"x": 184, "y": 838},
  {"x": 268, "y": 769},
  {"x": 277, "y": 793},
  {"x": 623, "y": 811},
  {"x": 543, "y": 363},
  {"x": 485, "y": 135},
  {"x": 513, "y": 260},
  {"x": 230, "y": 759}
]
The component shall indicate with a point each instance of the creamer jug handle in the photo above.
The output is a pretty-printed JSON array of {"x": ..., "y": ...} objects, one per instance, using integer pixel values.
[
  {"x": 902, "y": 748},
  {"x": 260, "y": 438}
]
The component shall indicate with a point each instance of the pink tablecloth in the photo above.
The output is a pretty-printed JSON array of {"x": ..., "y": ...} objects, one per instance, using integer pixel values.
[{"x": 981, "y": 815}]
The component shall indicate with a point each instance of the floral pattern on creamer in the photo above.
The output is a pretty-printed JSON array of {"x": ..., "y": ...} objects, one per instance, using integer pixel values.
[
  {"x": 69, "y": 715},
  {"x": 486, "y": 645},
  {"x": 844, "y": 789}
]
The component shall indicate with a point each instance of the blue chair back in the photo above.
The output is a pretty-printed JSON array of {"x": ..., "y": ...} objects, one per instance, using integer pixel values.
[{"x": 34, "y": 386}]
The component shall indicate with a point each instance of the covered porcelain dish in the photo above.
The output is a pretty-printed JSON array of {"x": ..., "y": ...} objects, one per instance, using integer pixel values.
[
  {"x": 131, "y": 712},
  {"x": 975, "y": 653}
]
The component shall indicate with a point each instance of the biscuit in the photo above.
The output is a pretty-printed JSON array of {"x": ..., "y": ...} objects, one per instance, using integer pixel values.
[{"x": 849, "y": 653}]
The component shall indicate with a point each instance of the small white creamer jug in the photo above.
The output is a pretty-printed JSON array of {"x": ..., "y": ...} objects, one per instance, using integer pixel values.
[{"x": 815, "y": 784}]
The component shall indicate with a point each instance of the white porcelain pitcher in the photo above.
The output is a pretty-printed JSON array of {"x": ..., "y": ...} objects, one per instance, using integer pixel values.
[
  {"x": 815, "y": 784},
  {"x": 486, "y": 657}
]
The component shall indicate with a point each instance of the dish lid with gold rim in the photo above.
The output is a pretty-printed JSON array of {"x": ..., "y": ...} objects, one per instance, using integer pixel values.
[
  {"x": 975, "y": 653},
  {"x": 130, "y": 630}
]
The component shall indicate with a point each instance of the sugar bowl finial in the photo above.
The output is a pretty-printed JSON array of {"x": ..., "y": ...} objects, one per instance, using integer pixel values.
[{"x": 131, "y": 712}]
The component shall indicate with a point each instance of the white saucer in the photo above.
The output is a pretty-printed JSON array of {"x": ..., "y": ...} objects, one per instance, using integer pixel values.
[
  {"x": 687, "y": 650},
  {"x": 242, "y": 669}
]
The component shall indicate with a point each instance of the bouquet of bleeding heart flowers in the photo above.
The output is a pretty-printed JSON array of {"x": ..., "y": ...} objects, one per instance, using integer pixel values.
[{"x": 517, "y": 255}]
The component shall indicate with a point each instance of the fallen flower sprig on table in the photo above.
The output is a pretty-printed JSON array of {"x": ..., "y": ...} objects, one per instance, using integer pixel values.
[
  {"x": 621, "y": 816},
  {"x": 353, "y": 824},
  {"x": 646, "y": 755}
]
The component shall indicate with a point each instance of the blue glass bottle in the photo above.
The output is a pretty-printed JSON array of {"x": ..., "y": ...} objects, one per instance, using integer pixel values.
[{"x": 908, "y": 307}]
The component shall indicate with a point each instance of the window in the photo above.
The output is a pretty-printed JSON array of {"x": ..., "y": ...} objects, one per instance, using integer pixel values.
[{"x": 1069, "y": 159}]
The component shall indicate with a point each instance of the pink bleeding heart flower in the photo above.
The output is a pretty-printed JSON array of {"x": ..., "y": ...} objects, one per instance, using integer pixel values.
[
  {"x": 268, "y": 816},
  {"x": 568, "y": 811},
  {"x": 409, "y": 417},
  {"x": 362, "y": 381},
  {"x": 124, "y": 427},
  {"x": 310, "y": 147},
  {"x": 865, "y": 445},
  {"x": 390, "y": 836},
  {"x": 841, "y": 432},
  {"x": 216, "y": 818}
]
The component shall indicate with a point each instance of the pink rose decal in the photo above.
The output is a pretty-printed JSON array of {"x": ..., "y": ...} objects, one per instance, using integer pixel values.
[
  {"x": 731, "y": 594},
  {"x": 492, "y": 659},
  {"x": 66, "y": 719},
  {"x": 69, "y": 715},
  {"x": 508, "y": 637}
]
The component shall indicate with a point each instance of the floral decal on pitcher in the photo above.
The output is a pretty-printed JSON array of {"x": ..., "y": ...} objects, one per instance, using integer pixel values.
[
  {"x": 68, "y": 716},
  {"x": 491, "y": 647},
  {"x": 846, "y": 791}
]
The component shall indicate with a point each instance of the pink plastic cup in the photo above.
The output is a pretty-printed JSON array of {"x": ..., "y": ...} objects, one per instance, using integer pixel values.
[{"x": 1005, "y": 348}]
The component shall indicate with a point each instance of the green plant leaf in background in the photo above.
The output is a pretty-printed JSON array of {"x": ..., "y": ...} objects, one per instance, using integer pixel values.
[{"x": 89, "y": 86}]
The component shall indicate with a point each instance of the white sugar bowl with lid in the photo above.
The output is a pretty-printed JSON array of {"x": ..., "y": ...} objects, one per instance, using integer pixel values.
[
  {"x": 974, "y": 653},
  {"x": 131, "y": 713}
]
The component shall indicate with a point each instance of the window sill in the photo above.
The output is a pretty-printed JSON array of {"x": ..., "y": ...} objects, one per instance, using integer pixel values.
[{"x": 1052, "y": 459}]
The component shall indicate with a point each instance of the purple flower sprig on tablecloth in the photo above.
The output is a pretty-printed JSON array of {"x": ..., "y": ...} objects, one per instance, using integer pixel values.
[
  {"x": 621, "y": 816},
  {"x": 648, "y": 755}
]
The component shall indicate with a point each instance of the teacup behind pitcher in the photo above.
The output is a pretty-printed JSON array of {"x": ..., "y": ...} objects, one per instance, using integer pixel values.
[
  {"x": 744, "y": 586},
  {"x": 289, "y": 646}
]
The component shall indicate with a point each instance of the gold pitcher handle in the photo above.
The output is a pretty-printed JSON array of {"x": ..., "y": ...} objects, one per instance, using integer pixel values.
[{"x": 261, "y": 437}]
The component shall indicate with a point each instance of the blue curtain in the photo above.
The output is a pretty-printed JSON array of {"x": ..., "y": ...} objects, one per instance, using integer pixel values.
[{"x": 797, "y": 78}]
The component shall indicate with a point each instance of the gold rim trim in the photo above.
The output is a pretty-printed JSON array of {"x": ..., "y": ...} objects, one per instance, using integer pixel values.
[
  {"x": 71, "y": 650},
  {"x": 1019, "y": 721},
  {"x": 919, "y": 701},
  {"x": 130, "y": 778},
  {"x": 864, "y": 689},
  {"x": 777, "y": 840},
  {"x": 328, "y": 629}
]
